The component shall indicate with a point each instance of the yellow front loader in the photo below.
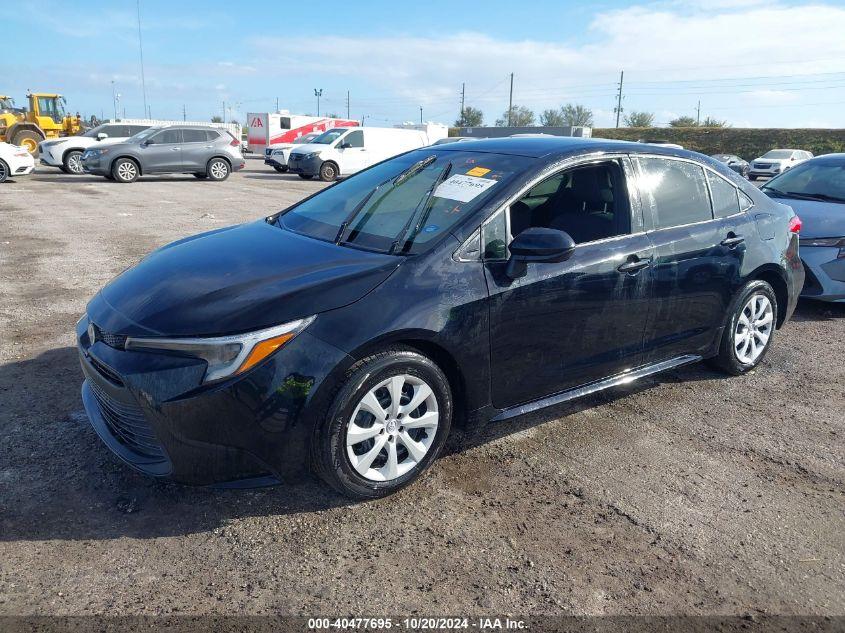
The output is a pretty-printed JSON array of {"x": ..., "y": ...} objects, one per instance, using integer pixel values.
[{"x": 44, "y": 119}]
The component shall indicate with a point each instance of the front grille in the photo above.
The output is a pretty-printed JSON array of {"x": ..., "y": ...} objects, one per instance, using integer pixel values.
[
  {"x": 20, "y": 170},
  {"x": 118, "y": 341},
  {"x": 268, "y": 153},
  {"x": 128, "y": 424},
  {"x": 762, "y": 165}
]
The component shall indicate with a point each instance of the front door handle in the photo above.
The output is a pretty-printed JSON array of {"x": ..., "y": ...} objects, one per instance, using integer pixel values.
[
  {"x": 732, "y": 241},
  {"x": 634, "y": 265}
]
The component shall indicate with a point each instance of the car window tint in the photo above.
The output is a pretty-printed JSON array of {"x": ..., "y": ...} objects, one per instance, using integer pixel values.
[
  {"x": 676, "y": 191},
  {"x": 211, "y": 135},
  {"x": 194, "y": 136},
  {"x": 494, "y": 237},
  {"x": 589, "y": 203},
  {"x": 168, "y": 136},
  {"x": 355, "y": 139},
  {"x": 724, "y": 196}
]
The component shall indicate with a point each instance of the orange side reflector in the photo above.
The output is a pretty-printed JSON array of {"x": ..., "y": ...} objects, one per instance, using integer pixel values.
[{"x": 263, "y": 350}]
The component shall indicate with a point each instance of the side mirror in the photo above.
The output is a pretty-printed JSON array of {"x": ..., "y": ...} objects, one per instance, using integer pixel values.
[
  {"x": 101, "y": 136},
  {"x": 148, "y": 142},
  {"x": 540, "y": 245},
  {"x": 345, "y": 145}
]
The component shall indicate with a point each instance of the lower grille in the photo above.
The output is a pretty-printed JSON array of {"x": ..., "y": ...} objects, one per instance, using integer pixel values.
[
  {"x": 20, "y": 170},
  {"x": 128, "y": 425}
]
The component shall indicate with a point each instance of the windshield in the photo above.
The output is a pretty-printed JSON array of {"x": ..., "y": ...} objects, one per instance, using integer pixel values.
[
  {"x": 140, "y": 136},
  {"x": 307, "y": 138},
  {"x": 778, "y": 153},
  {"x": 402, "y": 205},
  {"x": 6, "y": 104},
  {"x": 330, "y": 136},
  {"x": 823, "y": 180}
]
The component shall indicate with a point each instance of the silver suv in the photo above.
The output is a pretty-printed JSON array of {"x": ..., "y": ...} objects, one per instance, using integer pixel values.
[{"x": 205, "y": 152}]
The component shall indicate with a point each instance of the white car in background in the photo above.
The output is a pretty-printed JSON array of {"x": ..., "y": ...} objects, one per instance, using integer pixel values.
[
  {"x": 277, "y": 155},
  {"x": 66, "y": 152},
  {"x": 776, "y": 161},
  {"x": 14, "y": 161}
]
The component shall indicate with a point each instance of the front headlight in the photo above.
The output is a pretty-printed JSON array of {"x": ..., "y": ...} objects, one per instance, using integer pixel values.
[
  {"x": 311, "y": 155},
  {"x": 277, "y": 152},
  {"x": 226, "y": 355},
  {"x": 825, "y": 242}
]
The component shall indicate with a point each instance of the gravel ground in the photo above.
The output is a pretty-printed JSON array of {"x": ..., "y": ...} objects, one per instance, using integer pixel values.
[{"x": 689, "y": 493}]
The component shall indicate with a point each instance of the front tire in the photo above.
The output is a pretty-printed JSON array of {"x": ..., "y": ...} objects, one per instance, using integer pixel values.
[
  {"x": 72, "y": 163},
  {"x": 281, "y": 170},
  {"x": 306, "y": 176},
  {"x": 750, "y": 329},
  {"x": 328, "y": 171},
  {"x": 4, "y": 171},
  {"x": 125, "y": 170},
  {"x": 385, "y": 426},
  {"x": 218, "y": 169}
]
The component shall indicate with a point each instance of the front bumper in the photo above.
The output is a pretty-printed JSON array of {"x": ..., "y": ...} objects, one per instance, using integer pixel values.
[
  {"x": 153, "y": 412},
  {"x": 274, "y": 162},
  {"x": 95, "y": 164},
  {"x": 50, "y": 155},
  {"x": 306, "y": 166},
  {"x": 22, "y": 170},
  {"x": 825, "y": 278}
]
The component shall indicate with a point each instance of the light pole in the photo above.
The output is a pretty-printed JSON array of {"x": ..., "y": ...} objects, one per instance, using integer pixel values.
[
  {"x": 318, "y": 94},
  {"x": 421, "y": 116},
  {"x": 113, "y": 99}
]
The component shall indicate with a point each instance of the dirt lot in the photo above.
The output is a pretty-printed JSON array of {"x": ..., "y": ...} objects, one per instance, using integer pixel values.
[{"x": 690, "y": 493}]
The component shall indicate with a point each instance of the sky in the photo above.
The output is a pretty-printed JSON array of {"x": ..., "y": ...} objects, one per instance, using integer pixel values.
[{"x": 752, "y": 63}]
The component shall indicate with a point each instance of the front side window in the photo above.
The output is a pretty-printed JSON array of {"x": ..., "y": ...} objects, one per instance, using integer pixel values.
[
  {"x": 589, "y": 203},
  {"x": 168, "y": 137},
  {"x": 675, "y": 190},
  {"x": 330, "y": 136},
  {"x": 724, "y": 196},
  {"x": 354, "y": 139},
  {"x": 402, "y": 205}
]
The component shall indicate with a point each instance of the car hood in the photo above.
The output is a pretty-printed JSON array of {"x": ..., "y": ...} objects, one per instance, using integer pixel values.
[
  {"x": 774, "y": 161},
  {"x": 237, "y": 279},
  {"x": 307, "y": 148},
  {"x": 818, "y": 219}
]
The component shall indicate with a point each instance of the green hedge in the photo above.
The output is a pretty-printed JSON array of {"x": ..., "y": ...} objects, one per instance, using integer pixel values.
[{"x": 749, "y": 143}]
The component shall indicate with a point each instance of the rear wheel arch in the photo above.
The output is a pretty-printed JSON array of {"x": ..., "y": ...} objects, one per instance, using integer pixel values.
[{"x": 777, "y": 280}]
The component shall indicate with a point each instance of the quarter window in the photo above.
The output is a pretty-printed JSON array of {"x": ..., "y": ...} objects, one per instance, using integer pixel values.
[
  {"x": 494, "y": 237},
  {"x": 211, "y": 135},
  {"x": 724, "y": 196},
  {"x": 676, "y": 191}
]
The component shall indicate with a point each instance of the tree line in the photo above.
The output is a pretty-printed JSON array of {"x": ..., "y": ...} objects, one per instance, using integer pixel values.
[{"x": 573, "y": 114}]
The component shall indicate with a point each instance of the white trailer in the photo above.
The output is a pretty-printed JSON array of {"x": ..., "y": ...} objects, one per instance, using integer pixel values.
[{"x": 273, "y": 128}]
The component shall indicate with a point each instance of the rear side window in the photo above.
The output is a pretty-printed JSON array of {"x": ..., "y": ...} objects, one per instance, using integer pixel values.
[
  {"x": 194, "y": 136},
  {"x": 724, "y": 195},
  {"x": 676, "y": 191}
]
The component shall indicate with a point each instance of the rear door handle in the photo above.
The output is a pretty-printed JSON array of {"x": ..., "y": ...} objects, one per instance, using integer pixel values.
[
  {"x": 175, "y": 149},
  {"x": 732, "y": 241},
  {"x": 634, "y": 265}
]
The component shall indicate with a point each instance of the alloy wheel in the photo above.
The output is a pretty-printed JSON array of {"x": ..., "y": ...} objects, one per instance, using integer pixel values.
[
  {"x": 3, "y": 171},
  {"x": 127, "y": 171},
  {"x": 392, "y": 428},
  {"x": 74, "y": 163},
  {"x": 753, "y": 329},
  {"x": 219, "y": 170}
]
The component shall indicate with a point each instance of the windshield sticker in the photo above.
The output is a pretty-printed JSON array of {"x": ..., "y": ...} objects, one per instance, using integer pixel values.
[
  {"x": 478, "y": 171},
  {"x": 463, "y": 188},
  {"x": 431, "y": 228}
]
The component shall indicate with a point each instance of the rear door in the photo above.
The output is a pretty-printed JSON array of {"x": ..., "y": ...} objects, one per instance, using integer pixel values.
[
  {"x": 162, "y": 152},
  {"x": 570, "y": 323},
  {"x": 696, "y": 258},
  {"x": 196, "y": 149}
]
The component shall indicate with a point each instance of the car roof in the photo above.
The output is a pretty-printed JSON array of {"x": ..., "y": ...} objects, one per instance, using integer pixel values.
[{"x": 550, "y": 147}]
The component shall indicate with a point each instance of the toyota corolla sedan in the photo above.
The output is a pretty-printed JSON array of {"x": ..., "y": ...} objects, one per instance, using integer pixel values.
[
  {"x": 816, "y": 190},
  {"x": 455, "y": 285}
]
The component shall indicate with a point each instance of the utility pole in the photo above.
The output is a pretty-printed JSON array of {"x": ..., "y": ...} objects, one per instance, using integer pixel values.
[
  {"x": 347, "y": 104},
  {"x": 510, "y": 103},
  {"x": 184, "y": 113},
  {"x": 318, "y": 94},
  {"x": 141, "y": 51},
  {"x": 618, "y": 108},
  {"x": 150, "y": 111},
  {"x": 463, "y": 97},
  {"x": 421, "y": 117},
  {"x": 698, "y": 113},
  {"x": 224, "y": 112},
  {"x": 277, "y": 104},
  {"x": 114, "y": 99}
]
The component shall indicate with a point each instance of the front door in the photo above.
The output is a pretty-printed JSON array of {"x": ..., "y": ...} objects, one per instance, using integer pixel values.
[
  {"x": 162, "y": 152},
  {"x": 566, "y": 324},
  {"x": 354, "y": 152}
]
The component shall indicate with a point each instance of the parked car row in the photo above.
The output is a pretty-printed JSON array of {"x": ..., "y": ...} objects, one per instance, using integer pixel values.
[{"x": 768, "y": 165}]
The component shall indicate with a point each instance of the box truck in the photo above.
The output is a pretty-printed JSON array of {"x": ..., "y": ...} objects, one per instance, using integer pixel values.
[{"x": 275, "y": 128}]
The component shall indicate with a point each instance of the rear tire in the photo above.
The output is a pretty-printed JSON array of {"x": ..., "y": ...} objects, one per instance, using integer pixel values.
[
  {"x": 125, "y": 170},
  {"x": 201, "y": 176},
  {"x": 218, "y": 169},
  {"x": 4, "y": 171},
  {"x": 395, "y": 444},
  {"x": 328, "y": 171},
  {"x": 750, "y": 329},
  {"x": 281, "y": 170},
  {"x": 72, "y": 163}
]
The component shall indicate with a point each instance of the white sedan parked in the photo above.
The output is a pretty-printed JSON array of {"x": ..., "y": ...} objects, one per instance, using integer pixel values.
[
  {"x": 776, "y": 161},
  {"x": 14, "y": 161}
]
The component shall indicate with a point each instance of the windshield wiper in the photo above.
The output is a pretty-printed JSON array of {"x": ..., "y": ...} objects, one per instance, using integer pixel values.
[
  {"x": 815, "y": 196},
  {"x": 414, "y": 169},
  {"x": 356, "y": 210},
  {"x": 777, "y": 192},
  {"x": 426, "y": 210}
]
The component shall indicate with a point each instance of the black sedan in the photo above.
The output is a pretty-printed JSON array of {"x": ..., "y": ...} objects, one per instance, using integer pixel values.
[
  {"x": 452, "y": 285},
  {"x": 735, "y": 163}
]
